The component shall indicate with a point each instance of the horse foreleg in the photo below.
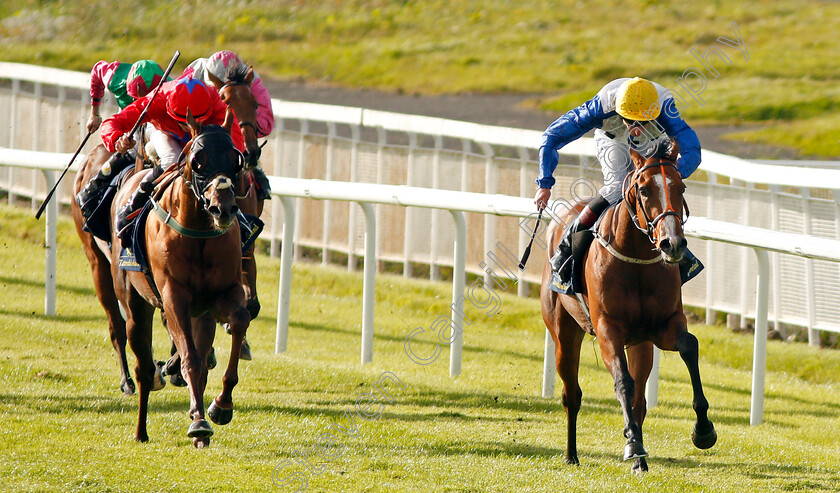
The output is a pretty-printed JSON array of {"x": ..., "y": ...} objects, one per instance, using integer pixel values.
[
  {"x": 193, "y": 361},
  {"x": 640, "y": 360},
  {"x": 221, "y": 410},
  {"x": 704, "y": 435},
  {"x": 612, "y": 352}
]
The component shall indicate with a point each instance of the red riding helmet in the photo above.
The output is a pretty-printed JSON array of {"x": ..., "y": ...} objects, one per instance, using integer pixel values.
[{"x": 188, "y": 94}]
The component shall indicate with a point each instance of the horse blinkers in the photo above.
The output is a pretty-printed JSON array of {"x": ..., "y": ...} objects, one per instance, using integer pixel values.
[{"x": 203, "y": 174}]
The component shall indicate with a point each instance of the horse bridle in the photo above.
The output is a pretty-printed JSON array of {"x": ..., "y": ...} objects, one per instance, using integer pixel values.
[
  {"x": 650, "y": 224},
  {"x": 197, "y": 182},
  {"x": 243, "y": 124}
]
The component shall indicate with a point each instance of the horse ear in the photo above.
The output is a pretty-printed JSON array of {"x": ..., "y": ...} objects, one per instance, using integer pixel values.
[
  {"x": 249, "y": 77},
  {"x": 217, "y": 83},
  {"x": 675, "y": 150},
  {"x": 638, "y": 160},
  {"x": 228, "y": 124},
  {"x": 195, "y": 127}
]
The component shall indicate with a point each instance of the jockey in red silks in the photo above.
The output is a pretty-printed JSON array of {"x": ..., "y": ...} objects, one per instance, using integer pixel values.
[
  {"x": 218, "y": 64},
  {"x": 168, "y": 114}
]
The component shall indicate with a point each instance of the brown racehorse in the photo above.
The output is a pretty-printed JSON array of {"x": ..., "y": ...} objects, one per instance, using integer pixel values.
[
  {"x": 235, "y": 91},
  {"x": 634, "y": 301},
  {"x": 194, "y": 258}
]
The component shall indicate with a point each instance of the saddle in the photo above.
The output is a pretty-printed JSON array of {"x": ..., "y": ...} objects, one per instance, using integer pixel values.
[
  {"x": 689, "y": 267},
  {"x": 99, "y": 222}
]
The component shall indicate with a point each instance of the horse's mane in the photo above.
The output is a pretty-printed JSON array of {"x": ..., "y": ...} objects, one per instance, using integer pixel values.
[{"x": 236, "y": 73}]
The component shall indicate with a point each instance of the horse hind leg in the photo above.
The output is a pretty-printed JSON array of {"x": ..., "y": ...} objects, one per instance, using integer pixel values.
[
  {"x": 567, "y": 356},
  {"x": 703, "y": 435}
]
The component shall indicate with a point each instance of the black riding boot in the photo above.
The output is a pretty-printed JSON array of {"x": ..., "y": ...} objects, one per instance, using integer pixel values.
[
  {"x": 264, "y": 189},
  {"x": 561, "y": 261},
  {"x": 89, "y": 197},
  {"x": 136, "y": 202}
]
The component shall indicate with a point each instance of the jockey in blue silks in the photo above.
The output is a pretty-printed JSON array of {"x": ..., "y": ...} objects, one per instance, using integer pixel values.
[{"x": 625, "y": 113}]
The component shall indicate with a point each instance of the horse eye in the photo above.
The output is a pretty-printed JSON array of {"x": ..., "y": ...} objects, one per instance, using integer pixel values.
[{"x": 643, "y": 192}]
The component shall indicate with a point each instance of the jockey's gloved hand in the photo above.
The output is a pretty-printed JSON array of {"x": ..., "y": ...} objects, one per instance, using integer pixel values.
[{"x": 124, "y": 144}]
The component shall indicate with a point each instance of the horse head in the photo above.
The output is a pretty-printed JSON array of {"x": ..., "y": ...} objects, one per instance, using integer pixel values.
[
  {"x": 212, "y": 165},
  {"x": 654, "y": 198},
  {"x": 235, "y": 91}
]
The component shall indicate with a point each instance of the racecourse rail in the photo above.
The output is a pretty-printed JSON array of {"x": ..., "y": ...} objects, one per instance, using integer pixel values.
[{"x": 359, "y": 145}]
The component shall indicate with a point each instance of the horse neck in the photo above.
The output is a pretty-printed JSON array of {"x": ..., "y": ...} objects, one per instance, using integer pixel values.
[
  {"x": 625, "y": 237},
  {"x": 180, "y": 202}
]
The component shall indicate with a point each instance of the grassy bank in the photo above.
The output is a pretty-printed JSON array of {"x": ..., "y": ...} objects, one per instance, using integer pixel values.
[
  {"x": 66, "y": 427},
  {"x": 787, "y": 70}
]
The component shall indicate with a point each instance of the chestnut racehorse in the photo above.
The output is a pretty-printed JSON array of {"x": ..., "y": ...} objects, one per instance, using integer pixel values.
[
  {"x": 195, "y": 273},
  {"x": 235, "y": 91},
  {"x": 631, "y": 283}
]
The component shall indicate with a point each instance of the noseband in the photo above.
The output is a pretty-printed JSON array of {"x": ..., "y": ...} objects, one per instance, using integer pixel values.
[{"x": 650, "y": 224}]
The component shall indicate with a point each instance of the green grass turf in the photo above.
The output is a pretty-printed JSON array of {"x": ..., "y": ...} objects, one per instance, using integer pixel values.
[{"x": 64, "y": 426}]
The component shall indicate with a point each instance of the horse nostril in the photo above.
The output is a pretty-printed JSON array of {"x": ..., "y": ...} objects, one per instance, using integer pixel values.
[
  {"x": 214, "y": 211},
  {"x": 683, "y": 243},
  {"x": 234, "y": 210},
  {"x": 665, "y": 245}
]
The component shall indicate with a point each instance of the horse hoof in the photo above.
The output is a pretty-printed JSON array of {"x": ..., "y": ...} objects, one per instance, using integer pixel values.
[
  {"x": 704, "y": 440},
  {"x": 200, "y": 443},
  {"x": 211, "y": 359},
  {"x": 128, "y": 387},
  {"x": 200, "y": 429},
  {"x": 177, "y": 380},
  {"x": 219, "y": 415},
  {"x": 634, "y": 450},
  {"x": 245, "y": 351},
  {"x": 639, "y": 466}
]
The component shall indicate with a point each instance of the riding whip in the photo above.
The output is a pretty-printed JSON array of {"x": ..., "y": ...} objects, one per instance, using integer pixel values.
[
  {"x": 55, "y": 187},
  {"x": 527, "y": 252},
  {"x": 138, "y": 165}
]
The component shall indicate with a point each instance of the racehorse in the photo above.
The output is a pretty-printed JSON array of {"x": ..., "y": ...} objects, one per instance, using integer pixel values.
[
  {"x": 634, "y": 302},
  {"x": 194, "y": 272},
  {"x": 98, "y": 252},
  {"x": 235, "y": 91}
]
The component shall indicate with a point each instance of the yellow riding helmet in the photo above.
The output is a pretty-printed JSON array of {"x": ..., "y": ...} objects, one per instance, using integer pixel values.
[{"x": 637, "y": 99}]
